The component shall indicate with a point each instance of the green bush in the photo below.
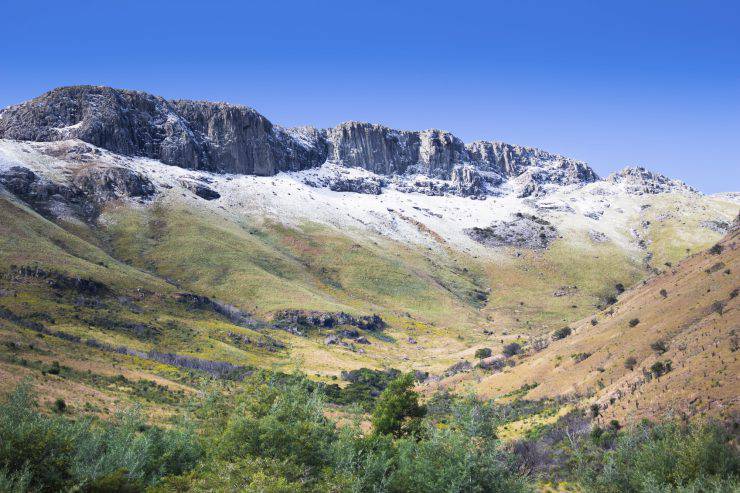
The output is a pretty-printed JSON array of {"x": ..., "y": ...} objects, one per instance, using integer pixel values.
[
  {"x": 281, "y": 422},
  {"x": 53, "y": 453},
  {"x": 562, "y": 333},
  {"x": 483, "y": 352},
  {"x": 397, "y": 411},
  {"x": 668, "y": 457}
]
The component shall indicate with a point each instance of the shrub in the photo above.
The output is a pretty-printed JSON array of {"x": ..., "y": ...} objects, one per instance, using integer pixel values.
[
  {"x": 59, "y": 405},
  {"x": 54, "y": 368},
  {"x": 594, "y": 321},
  {"x": 633, "y": 322},
  {"x": 718, "y": 307},
  {"x": 56, "y": 454},
  {"x": 562, "y": 333},
  {"x": 660, "y": 347},
  {"x": 619, "y": 287},
  {"x": 539, "y": 343},
  {"x": 660, "y": 368},
  {"x": 595, "y": 410},
  {"x": 668, "y": 457},
  {"x": 284, "y": 422},
  {"x": 449, "y": 461},
  {"x": 578, "y": 357},
  {"x": 483, "y": 352},
  {"x": 397, "y": 410},
  {"x": 630, "y": 363},
  {"x": 512, "y": 349},
  {"x": 716, "y": 249}
]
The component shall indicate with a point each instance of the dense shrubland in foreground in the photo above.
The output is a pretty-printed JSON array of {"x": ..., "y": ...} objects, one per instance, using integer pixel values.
[{"x": 276, "y": 434}]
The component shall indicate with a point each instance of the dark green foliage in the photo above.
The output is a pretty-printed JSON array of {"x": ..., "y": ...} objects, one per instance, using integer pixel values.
[
  {"x": 595, "y": 410},
  {"x": 660, "y": 368},
  {"x": 718, "y": 307},
  {"x": 365, "y": 385},
  {"x": 660, "y": 347},
  {"x": 633, "y": 322},
  {"x": 630, "y": 363},
  {"x": 716, "y": 249},
  {"x": 485, "y": 352},
  {"x": 278, "y": 422},
  {"x": 60, "y": 406},
  {"x": 273, "y": 435},
  {"x": 54, "y": 368},
  {"x": 667, "y": 457},
  {"x": 56, "y": 454},
  {"x": 512, "y": 349},
  {"x": 619, "y": 287},
  {"x": 397, "y": 411},
  {"x": 562, "y": 333}
]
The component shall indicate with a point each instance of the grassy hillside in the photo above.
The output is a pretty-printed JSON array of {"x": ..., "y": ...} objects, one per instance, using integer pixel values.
[{"x": 685, "y": 318}]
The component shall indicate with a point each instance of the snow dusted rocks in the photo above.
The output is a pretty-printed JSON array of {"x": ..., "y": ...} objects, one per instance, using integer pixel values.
[
  {"x": 638, "y": 181},
  {"x": 89, "y": 190},
  {"x": 191, "y": 134},
  {"x": 522, "y": 231},
  {"x": 200, "y": 190},
  {"x": 225, "y": 138}
]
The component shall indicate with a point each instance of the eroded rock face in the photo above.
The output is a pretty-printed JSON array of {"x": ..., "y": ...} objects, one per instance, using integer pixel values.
[
  {"x": 522, "y": 231},
  {"x": 89, "y": 190},
  {"x": 638, "y": 181},
  {"x": 229, "y": 138},
  {"x": 191, "y": 134},
  {"x": 104, "y": 184}
]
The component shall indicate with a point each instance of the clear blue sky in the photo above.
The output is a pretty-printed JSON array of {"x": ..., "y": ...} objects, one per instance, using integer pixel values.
[{"x": 613, "y": 83}]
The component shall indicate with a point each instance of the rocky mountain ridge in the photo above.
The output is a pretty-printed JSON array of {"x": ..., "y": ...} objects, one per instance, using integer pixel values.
[{"x": 221, "y": 137}]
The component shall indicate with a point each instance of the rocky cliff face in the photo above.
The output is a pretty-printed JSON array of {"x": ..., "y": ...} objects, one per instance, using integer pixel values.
[
  {"x": 221, "y": 137},
  {"x": 190, "y": 134}
]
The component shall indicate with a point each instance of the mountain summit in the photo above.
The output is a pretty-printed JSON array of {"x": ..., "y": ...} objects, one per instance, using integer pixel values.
[{"x": 227, "y": 138}]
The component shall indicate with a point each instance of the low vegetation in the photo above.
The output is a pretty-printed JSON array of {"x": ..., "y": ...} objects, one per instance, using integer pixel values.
[{"x": 275, "y": 435}]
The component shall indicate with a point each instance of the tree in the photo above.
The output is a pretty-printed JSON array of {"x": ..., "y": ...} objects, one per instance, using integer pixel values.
[
  {"x": 595, "y": 410},
  {"x": 630, "y": 363},
  {"x": 397, "y": 411},
  {"x": 483, "y": 352}
]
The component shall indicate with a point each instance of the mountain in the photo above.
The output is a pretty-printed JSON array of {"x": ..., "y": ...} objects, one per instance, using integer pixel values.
[
  {"x": 227, "y": 138},
  {"x": 168, "y": 239}
]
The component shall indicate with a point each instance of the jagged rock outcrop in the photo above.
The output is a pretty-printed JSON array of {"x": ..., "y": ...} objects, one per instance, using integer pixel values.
[
  {"x": 200, "y": 190},
  {"x": 89, "y": 189},
  {"x": 104, "y": 184},
  {"x": 387, "y": 151},
  {"x": 191, "y": 134},
  {"x": 221, "y": 137},
  {"x": 522, "y": 230},
  {"x": 467, "y": 181},
  {"x": 511, "y": 160},
  {"x": 638, "y": 180}
]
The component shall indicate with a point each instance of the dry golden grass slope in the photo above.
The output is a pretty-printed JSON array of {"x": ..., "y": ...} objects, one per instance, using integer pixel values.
[{"x": 692, "y": 308}]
